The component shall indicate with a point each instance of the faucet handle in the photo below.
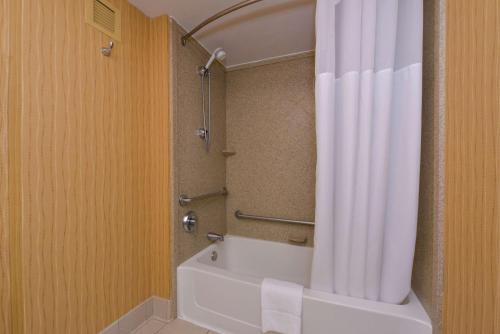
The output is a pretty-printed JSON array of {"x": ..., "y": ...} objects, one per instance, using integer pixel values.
[{"x": 189, "y": 222}]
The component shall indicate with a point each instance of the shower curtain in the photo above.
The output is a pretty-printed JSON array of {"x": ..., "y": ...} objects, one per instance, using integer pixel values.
[{"x": 368, "y": 123}]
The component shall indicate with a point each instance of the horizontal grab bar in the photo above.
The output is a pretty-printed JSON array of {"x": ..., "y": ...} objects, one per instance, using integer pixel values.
[
  {"x": 185, "y": 199},
  {"x": 241, "y": 215}
]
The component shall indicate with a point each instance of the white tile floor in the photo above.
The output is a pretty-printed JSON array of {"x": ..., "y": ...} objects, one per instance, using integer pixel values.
[{"x": 177, "y": 326}]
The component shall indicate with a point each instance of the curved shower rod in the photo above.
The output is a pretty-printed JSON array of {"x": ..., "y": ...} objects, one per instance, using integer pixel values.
[{"x": 220, "y": 14}]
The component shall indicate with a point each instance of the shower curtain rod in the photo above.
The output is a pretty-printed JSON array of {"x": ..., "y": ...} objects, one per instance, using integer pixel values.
[{"x": 220, "y": 14}]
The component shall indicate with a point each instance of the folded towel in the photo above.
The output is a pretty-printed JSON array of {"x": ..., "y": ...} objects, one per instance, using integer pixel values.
[{"x": 281, "y": 306}]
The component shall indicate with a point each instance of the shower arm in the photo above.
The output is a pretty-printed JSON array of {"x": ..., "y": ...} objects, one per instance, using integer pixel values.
[{"x": 217, "y": 16}]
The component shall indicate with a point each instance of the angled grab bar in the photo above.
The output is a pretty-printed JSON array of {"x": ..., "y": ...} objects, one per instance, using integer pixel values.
[
  {"x": 185, "y": 199},
  {"x": 240, "y": 215}
]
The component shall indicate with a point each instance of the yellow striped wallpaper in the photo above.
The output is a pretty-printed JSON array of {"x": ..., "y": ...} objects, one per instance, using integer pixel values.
[
  {"x": 472, "y": 168},
  {"x": 93, "y": 231}
]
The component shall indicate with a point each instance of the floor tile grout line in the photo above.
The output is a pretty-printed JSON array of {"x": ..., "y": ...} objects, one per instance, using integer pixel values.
[
  {"x": 164, "y": 325},
  {"x": 148, "y": 321},
  {"x": 139, "y": 327},
  {"x": 159, "y": 329}
]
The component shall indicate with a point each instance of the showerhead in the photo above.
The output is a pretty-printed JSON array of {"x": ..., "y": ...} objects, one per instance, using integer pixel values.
[
  {"x": 218, "y": 54},
  {"x": 221, "y": 54}
]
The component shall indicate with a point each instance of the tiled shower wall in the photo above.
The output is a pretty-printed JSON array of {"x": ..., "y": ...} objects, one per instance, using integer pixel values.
[
  {"x": 428, "y": 263},
  {"x": 270, "y": 126},
  {"x": 195, "y": 171}
]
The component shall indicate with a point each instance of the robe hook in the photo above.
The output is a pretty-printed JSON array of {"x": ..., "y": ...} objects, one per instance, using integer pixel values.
[{"x": 107, "y": 51}]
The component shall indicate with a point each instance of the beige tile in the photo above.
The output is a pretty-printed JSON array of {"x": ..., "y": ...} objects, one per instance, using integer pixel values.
[
  {"x": 151, "y": 326},
  {"x": 133, "y": 319},
  {"x": 182, "y": 327},
  {"x": 149, "y": 308},
  {"x": 161, "y": 308},
  {"x": 270, "y": 121}
]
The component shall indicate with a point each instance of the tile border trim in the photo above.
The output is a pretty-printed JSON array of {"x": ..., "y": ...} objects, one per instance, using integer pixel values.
[{"x": 153, "y": 307}]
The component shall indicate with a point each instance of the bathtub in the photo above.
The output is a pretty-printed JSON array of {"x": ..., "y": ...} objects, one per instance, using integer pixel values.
[{"x": 223, "y": 293}]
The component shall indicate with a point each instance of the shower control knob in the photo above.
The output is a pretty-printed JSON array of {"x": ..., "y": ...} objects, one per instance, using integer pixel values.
[
  {"x": 189, "y": 221},
  {"x": 202, "y": 133}
]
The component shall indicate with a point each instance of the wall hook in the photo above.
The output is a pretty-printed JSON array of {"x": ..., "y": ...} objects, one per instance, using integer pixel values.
[{"x": 107, "y": 51}]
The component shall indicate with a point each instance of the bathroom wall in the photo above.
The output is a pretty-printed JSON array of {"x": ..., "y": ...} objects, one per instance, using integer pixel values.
[
  {"x": 472, "y": 168},
  {"x": 428, "y": 264},
  {"x": 270, "y": 124},
  {"x": 90, "y": 165},
  {"x": 195, "y": 171},
  {"x": 5, "y": 304},
  {"x": 10, "y": 283}
]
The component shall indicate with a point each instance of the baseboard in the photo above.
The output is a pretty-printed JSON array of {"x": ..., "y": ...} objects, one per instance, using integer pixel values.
[{"x": 154, "y": 306}]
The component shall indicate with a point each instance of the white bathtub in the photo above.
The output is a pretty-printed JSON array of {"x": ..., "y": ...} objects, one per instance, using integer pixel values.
[{"x": 224, "y": 295}]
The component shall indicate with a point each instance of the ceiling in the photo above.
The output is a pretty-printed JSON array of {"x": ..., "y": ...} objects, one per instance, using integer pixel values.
[{"x": 262, "y": 31}]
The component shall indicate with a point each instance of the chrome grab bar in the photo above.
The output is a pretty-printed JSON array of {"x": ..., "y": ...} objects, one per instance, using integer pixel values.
[
  {"x": 240, "y": 215},
  {"x": 185, "y": 199}
]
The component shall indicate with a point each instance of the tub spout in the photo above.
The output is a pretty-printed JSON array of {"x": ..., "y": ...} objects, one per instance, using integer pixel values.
[{"x": 215, "y": 236}]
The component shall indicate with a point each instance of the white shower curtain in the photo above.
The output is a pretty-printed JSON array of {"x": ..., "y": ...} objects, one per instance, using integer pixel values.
[{"x": 368, "y": 123}]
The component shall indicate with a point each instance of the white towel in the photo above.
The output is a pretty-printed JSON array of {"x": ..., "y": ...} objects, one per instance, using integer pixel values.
[{"x": 281, "y": 306}]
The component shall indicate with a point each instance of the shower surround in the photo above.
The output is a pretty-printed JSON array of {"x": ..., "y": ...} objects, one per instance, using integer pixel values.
[
  {"x": 270, "y": 126},
  {"x": 194, "y": 170},
  {"x": 269, "y": 177}
]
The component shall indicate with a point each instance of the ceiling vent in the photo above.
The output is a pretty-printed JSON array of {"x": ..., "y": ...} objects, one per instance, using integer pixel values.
[{"x": 105, "y": 17}]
